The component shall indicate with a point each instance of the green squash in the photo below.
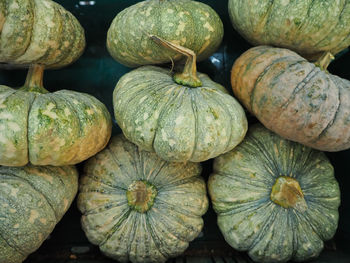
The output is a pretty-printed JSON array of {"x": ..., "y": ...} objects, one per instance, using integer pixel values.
[
  {"x": 275, "y": 198},
  {"x": 39, "y": 32},
  {"x": 181, "y": 117},
  {"x": 187, "y": 23},
  {"x": 44, "y": 128},
  {"x": 139, "y": 207},
  {"x": 309, "y": 27},
  {"x": 277, "y": 85},
  {"x": 32, "y": 201}
]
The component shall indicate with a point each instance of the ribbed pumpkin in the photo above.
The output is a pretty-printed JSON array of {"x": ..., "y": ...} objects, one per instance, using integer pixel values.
[
  {"x": 298, "y": 100},
  {"x": 309, "y": 27},
  {"x": 181, "y": 117},
  {"x": 138, "y": 207},
  {"x": 60, "y": 128},
  {"x": 32, "y": 201},
  {"x": 39, "y": 32},
  {"x": 187, "y": 23},
  {"x": 275, "y": 198}
]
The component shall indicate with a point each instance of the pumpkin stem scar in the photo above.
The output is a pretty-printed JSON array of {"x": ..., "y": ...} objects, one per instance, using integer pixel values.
[
  {"x": 141, "y": 195},
  {"x": 324, "y": 61},
  {"x": 34, "y": 80},
  {"x": 287, "y": 193},
  {"x": 189, "y": 75}
]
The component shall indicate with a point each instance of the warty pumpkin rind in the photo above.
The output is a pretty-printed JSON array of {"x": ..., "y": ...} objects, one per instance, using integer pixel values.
[
  {"x": 191, "y": 24},
  {"x": 308, "y": 27},
  {"x": 32, "y": 201},
  {"x": 240, "y": 189},
  {"x": 125, "y": 234},
  {"x": 39, "y": 32},
  {"x": 294, "y": 98},
  {"x": 51, "y": 129},
  {"x": 179, "y": 123}
]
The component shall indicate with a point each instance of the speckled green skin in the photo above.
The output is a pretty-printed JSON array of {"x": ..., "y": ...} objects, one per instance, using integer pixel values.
[
  {"x": 240, "y": 188},
  {"x": 60, "y": 128},
  {"x": 294, "y": 98},
  {"x": 40, "y": 32},
  {"x": 179, "y": 123},
  {"x": 190, "y": 24},
  {"x": 123, "y": 233},
  {"x": 32, "y": 201},
  {"x": 308, "y": 27}
]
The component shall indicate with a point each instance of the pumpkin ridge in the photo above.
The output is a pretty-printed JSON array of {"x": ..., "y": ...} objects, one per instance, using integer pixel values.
[
  {"x": 35, "y": 95},
  {"x": 335, "y": 25},
  {"x": 267, "y": 224},
  {"x": 246, "y": 206},
  {"x": 156, "y": 239},
  {"x": 115, "y": 227},
  {"x": 330, "y": 123},
  {"x": 261, "y": 76},
  {"x": 269, "y": 158},
  {"x": 23, "y": 179},
  {"x": 101, "y": 181},
  {"x": 195, "y": 115},
  {"x": 12, "y": 246},
  {"x": 174, "y": 208},
  {"x": 226, "y": 110},
  {"x": 249, "y": 180}
]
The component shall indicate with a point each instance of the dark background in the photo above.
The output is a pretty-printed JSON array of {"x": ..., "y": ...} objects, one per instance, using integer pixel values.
[{"x": 97, "y": 73}]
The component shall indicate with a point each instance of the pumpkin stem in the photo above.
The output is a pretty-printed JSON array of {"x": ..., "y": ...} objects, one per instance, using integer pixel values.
[
  {"x": 287, "y": 193},
  {"x": 324, "y": 61},
  {"x": 189, "y": 75},
  {"x": 141, "y": 195},
  {"x": 34, "y": 80}
]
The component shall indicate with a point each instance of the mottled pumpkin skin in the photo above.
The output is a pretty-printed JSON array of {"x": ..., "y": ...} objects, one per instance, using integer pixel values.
[
  {"x": 39, "y": 32},
  {"x": 60, "y": 128},
  {"x": 240, "y": 188},
  {"x": 125, "y": 234},
  {"x": 294, "y": 98},
  {"x": 190, "y": 24},
  {"x": 32, "y": 201},
  {"x": 308, "y": 27},
  {"x": 179, "y": 123}
]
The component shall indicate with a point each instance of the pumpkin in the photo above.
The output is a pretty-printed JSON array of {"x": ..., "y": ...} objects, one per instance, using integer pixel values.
[
  {"x": 308, "y": 27},
  {"x": 296, "y": 99},
  {"x": 32, "y": 201},
  {"x": 275, "y": 198},
  {"x": 187, "y": 23},
  {"x": 50, "y": 128},
  {"x": 39, "y": 32},
  {"x": 139, "y": 207},
  {"x": 182, "y": 117}
]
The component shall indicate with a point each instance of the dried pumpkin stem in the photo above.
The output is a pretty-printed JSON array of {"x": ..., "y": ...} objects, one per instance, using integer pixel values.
[
  {"x": 34, "y": 80},
  {"x": 324, "y": 61},
  {"x": 287, "y": 193},
  {"x": 189, "y": 75}
]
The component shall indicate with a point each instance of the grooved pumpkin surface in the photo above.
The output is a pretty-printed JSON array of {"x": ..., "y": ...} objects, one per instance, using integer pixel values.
[
  {"x": 240, "y": 189},
  {"x": 179, "y": 123},
  {"x": 187, "y": 23},
  {"x": 308, "y": 27},
  {"x": 57, "y": 128},
  {"x": 294, "y": 98},
  {"x": 39, "y": 31},
  {"x": 32, "y": 200},
  {"x": 123, "y": 233}
]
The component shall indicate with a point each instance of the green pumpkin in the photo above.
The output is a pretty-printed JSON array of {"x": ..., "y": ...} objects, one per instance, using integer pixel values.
[
  {"x": 181, "y": 117},
  {"x": 308, "y": 27},
  {"x": 275, "y": 198},
  {"x": 32, "y": 201},
  {"x": 277, "y": 85},
  {"x": 139, "y": 207},
  {"x": 39, "y": 32},
  {"x": 187, "y": 23},
  {"x": 44, "y": 128}
]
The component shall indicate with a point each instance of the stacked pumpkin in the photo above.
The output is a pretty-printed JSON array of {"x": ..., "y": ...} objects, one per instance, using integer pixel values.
[
  {"x": 275, "y": 198},
  {"x": 143, "y": 200},
  {"x": 53, "y": 130}
]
